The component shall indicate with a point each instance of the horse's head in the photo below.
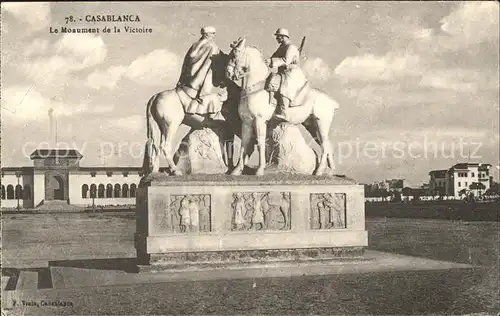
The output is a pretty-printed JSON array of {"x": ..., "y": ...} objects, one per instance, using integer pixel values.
[{"x": 245, "y": 65}]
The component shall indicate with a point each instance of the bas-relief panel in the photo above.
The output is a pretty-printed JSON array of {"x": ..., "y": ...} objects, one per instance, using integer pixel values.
[
  {"x": 328, "y": 210},
  {"x": 187, "y": 213},
  {"x": 260, "y": 211}
]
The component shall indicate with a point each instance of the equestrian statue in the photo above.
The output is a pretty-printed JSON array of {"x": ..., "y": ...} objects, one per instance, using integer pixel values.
[
  {"x": 196, "y": 101},
  {"x": 241, "y": 92},
  {"x": 283, "y": 94}
]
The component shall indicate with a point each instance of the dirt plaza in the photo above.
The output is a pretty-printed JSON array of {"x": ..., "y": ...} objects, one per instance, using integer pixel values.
[{"x": 70, "y": 261}]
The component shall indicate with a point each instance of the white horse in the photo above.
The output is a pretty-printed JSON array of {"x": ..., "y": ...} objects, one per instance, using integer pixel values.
[
  {"x": 166, "y": 109},
  {"x": 248, "y": 70}
]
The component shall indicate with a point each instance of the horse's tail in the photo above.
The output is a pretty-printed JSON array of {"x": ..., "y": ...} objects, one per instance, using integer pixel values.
[{"x": 151, "y": 150}]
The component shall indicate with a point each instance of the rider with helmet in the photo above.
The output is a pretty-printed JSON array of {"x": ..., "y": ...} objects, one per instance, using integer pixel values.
[{"x": 289, "y": 77}]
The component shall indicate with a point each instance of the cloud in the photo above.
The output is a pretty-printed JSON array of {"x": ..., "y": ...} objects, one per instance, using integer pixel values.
[
  {"x": 445, "y": 81},
  {"x": 107, "y": 79},
  {"x": 317, "y": 68},
  {"x": 74, "y": 52},
  {"x": 370, "y": 67},
  {"x": 36, "y": 16},
  {"x": 459, "y": 79},
  {"x": 428, "y": 76},
  {"x": 37, "y": 47},
  {"x": 102, "y": 109},
  {"x": 86, "y": 49},
  {"x": 24, "y": 103},
  {"x": 157, "y": 68},
  {"x": 129, "y": 123},
  {"x": 472, "y": 23},
  {"x": 160, "y": 67},
  {"x": 464, "y": 29},
  {"x": 439, "y": 134}
]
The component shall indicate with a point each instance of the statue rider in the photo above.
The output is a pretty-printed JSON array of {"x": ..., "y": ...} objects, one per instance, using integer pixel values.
[
  {"x": 196, "y": 77},
  {"x": 289, "y": 77}
]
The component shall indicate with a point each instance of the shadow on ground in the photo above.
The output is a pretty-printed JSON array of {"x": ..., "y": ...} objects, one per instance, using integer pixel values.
[
  {"x": 44, "y": 278},
  {"x": 121, "y": 264}
]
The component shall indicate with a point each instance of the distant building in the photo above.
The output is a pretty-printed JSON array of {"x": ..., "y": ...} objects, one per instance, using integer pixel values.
[
  {"x": 438, "y": 182},
  {"x": 461, "y": 176},
  {"x": 56, "y": 175},
  {"x": 395, "y": 184},
  {"x": 374, "y": 189}
]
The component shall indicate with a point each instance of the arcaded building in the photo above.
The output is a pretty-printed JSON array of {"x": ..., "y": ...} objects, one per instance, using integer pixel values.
[{"x": 56, "y": 177}]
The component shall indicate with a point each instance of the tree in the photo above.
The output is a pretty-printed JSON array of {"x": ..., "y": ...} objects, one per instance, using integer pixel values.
[
  {"x": 477, "y": 186},
  {"x": 406, "y": 192},
  {"x": 383, "y": 193},
  {"x": 396, "y": 196},
  {"x": 494, "y": 189},
  {"x": 416, "y": 196},
  {"x": 462, "y": 192}
]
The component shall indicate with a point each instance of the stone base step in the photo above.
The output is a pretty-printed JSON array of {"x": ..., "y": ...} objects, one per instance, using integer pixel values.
[
  {"x": 28, "y": 280},
  {"x": 67, "y": 277},
  {"x": 70, "y": 277},
  {"x": 5, "y": 280}
]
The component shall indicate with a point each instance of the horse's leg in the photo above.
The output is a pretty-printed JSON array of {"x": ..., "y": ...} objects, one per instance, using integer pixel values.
[
  {"x": 169, "y": 131},
  {"x": 326, "y": 147},
  {"x": 227, "y": 148},
  {"x": 329, "y": 158},
  {"x": 260, "y": 130},
  {"x": 250, "y": 149},
  {"x": 246, "y": 139},
  {"x": 326, "y": 139},
  {"x": 311, "y": 125}
]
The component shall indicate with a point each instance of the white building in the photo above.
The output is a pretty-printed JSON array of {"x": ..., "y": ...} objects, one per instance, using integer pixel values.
[
  {"x": 56, "y": 176},
  {"x": 459, "y": 177}
]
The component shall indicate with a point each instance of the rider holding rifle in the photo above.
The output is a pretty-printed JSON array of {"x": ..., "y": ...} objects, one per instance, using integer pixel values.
[{"x": 289, "y": 78}]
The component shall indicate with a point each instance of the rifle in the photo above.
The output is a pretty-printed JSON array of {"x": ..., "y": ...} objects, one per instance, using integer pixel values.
[{"x": 302, "y": 45}]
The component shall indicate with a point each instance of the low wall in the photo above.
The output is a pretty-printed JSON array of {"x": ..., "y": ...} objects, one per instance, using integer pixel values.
[
  {"x": 11, "y": 203},
  {"x": 430, "y": 198},
  {"x": 104, "y": 202},
  {"x": 206, "y": 219}
]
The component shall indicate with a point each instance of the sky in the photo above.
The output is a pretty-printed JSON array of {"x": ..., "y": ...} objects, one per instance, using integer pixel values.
[{"x": 417, "y": 82}]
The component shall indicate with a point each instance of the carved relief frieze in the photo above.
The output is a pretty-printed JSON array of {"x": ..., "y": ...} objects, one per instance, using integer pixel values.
[
  {"x": 187, "y": 213},
  {"x": 261, "y": 211},
  {"x": 328, "y": 210}
]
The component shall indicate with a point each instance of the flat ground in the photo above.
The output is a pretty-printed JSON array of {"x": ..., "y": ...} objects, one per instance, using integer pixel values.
[{"x": 31, "y": 241}]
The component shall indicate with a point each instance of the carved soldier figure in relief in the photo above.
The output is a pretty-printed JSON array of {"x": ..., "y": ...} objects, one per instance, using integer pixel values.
[
  {"x": 285, "y": 209},
  {"x": 185, "y": 215},
  {"x": 194, "y": 215},
  {"x": 170, "y": 220},
  {"x": 239, "y": 211},
  {"x": 328, "y": 210},
  {"x": 258, "y": 213},
  {"x": 334, "y": 203},
  {"x": 205, "y": 225},
  {"x": 189, "y": 212}
]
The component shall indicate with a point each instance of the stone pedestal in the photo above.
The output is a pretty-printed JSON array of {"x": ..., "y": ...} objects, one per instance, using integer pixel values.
[
  {"x": 219, "y": 220},
  {"x": 200, "y": 153},
  {"x": 287, "y": 151}
]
